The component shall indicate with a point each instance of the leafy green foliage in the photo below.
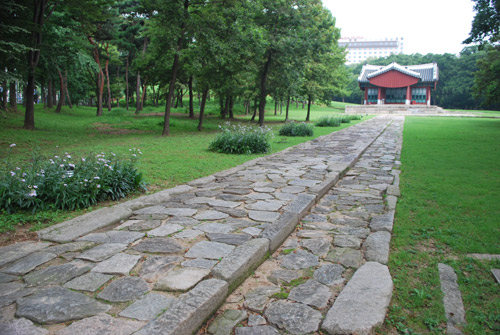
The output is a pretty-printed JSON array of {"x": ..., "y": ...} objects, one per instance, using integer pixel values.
[
  {"x": 239, "y": 139},
  {"x": 296, "y": 129},
  {"x": 328, "y": 121},
  {"x": 67, "y": 183}
]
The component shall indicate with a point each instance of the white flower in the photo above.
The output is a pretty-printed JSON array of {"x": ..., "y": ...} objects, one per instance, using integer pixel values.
[
  {"x": 56, "y": 157},
  {"x": 71, "y": 165},
  {"x": 65, "y": 185},
  {"x": 61, "y": 165},
  {"x": 12, "y": 145},
  {"x": 68, "y": 156},
  {"x": 32, "y": 193},
  {"x": 83, "y": 159},
  {"x": 12, "y": 173},
  {"x": 34, "y": 186},
  {"x": 98, "y": 186},
  {"x": 24, "y": 174},
  {"x": 23, "y": 180},
  {"x": 18, "y": 168},
  {"x": 97, "y": 178}
]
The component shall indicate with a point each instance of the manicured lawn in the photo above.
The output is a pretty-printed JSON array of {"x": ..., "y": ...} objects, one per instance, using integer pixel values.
[
  {"x": 166, "y": 161},
  {"x": 450, "y": 206}
]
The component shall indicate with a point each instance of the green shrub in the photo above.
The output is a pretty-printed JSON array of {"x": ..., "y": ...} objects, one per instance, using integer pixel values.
[
  {"x": 349, "y": 118},
  {"x": 328, "y": 121},
  {"x": 238, "y": 139},
  {"x": 296, "y": 129},
  {"x": 67, "y": 183}
]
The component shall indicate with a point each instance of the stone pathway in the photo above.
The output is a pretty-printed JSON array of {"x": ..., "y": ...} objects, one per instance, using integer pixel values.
[
  {"x": 162, "y": 264},
  {"x": 330, "y": 274}
]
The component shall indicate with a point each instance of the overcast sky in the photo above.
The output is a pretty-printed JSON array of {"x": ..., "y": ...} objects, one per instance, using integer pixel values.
[{"x": 427, "y": 26}]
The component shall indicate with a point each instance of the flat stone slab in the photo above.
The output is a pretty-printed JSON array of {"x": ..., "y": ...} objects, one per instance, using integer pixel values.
[
  {"x": 10, "y": 288},
  {"x": 311, "y": 293},
  {"x": 496, "y": 274},
  {"x": 452, "y": 299},
  {"x": 233, "y": 239},
  {"x": 330, "y": 274},
  {"x": 58, "y": 274},
  {"x": 60, "y": 249},
  {"x": 181, "y": 279},
  {"x": 120, "y": 263},
  {"x": 257, "y": 298},
  {"x": 214, "y": 227},
  {"x": 90, "y": 282},
  {"x": 189, "y": 234},
  {"x": 263, "y": 216},
  {"x": 383, "y": 222},
  {"x": 113, "y": 236},
  {"x": 159, "y": 245},
  {"x": 102, "y": 324},
  {"x": 21, "y": 326},
  {"x": 303, "y": 182},
  {"x": 488, "y": 257},
  {"x": 225, "y": 323},
  {"x": 102, "y": 251},
  {"x": 210, "y": 250},
  {"x": 257, "y": 330},
  {"x": 157, "y": 266},
  {"x": 347, "y": 257},
  {"x": 140, "y": 225},
  {"x": 211, "y": 215},
  {"x": 124, "y": 289},
  {"x": 148, "y": 307},
  {"x": 57, "y": 304},
  {"x": 190, "y": 310},
  {"x": 318, "y": 246},
  {"x": 293, "y": 189},
  {"x": 13, "y": 252},
  {"x": 347, "y": 241},
  {"x": 265, "y": 206},
  {"x": 300, "y": 259},
  {"x": 180, "y": 211},
  {"x": 295, "y": 318},
  {"x": 28, "y": 263},
  {"x": 377, "y": 247},
  {"x": 256, "y": 320},
  {"x": 252, "y": 231},
  {"x": 165, "y": 230},
  {"x": 199, "y": 263},
  {"x": 366, "y": 296},
  {"x": 5, "y": 278},
  {"x": 283, "y": 276}
]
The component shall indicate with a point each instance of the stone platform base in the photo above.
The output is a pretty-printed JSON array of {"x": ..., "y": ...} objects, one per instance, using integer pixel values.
[{"x": 395, "y": 109}]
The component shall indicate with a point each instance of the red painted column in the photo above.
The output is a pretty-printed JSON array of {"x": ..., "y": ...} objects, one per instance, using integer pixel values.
[
  {"x": 379, "y": 96},
  {"x": 428, "y": 95},
  {"x": 366, "y": 95},
  {"x": 408, "y": 95}
]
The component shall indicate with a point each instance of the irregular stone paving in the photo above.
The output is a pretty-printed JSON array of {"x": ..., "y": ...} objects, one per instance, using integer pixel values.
[
  {"x": 180, "y": 252},
  {"x": 329, "y": 275}
]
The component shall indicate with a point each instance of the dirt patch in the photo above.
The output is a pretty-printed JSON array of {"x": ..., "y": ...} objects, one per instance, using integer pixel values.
[
  {"x": 19, "y": 235},
  {"x": 104, "y": 128}
]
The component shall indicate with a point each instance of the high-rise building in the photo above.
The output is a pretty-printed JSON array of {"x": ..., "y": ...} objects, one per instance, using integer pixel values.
[{"x": 360, "y": 48}]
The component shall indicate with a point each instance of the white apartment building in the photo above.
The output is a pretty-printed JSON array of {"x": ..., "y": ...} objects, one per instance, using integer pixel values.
[{"x": 360, "y": 48}]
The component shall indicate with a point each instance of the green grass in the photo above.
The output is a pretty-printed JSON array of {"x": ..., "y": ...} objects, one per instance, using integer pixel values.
[
  {"x": 450, "y": 185},
  {"x": 166, "y": 161}
]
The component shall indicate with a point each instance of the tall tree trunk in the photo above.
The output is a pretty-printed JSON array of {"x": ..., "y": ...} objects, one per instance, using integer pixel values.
[
  {"x": 226, "y": 108},
  {"x": 254, "y": 109},
  {"x": 231, "y": 106},
  {"x": 263, "y": 88},
  {"x": 287, "y": 106},
  {"x": 100, "y": 76},
  {"x": 144, "y": 92},
  {"x": 42, "y": 94},
  {"x": 50, "y": 103},
  {"x": 297, "y": 103},
  {"x": 303, "y": 104},
  {"x": 275, "y": 107},
  {"x": 191, "y": 108},
  {"x": 66, "y": 89},
  {"x": 62, "y": 92},
  {"x": 308, "y": 108},
  {"x": 155, "y": 102},
  {"x": 107, "y": 76},
  {"x": 202, "y": 108},
  {"x": 3, "y": 106},
  {"x": 126, "y": 84},
  {"x": 221, "y": 104},
  {"x": 138, "y": 94},
  {"x": 177, "y": 99},
  {"x": 12, "y": 96},
  {"x": 175, "y": 68},
  {"x": 54, "y": 94}
]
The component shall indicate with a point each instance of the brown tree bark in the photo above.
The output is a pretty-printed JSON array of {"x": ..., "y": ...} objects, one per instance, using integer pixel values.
[
  {"x": 202, "y": 108},
  {"x": 287, "y": 106},
  {"x": 12, "y": 96},
  {"x": 66, "y": 89},
  {"x": 191, "y": 108},
  {"x": 3, "y": 106},
  {"x": 144, "y": 92},
  {"x": 50, "y": 103},
  {"x": 107, "y": 76},
  {"x": 138, "y": 106},
  {"x": 308, "y": 108},
  {"x": 126, "y": 84},
  {"x": 100, "y": 76},
  {"x": 231, "y": 107},
  {"x": 263, "y": 88},
  {"x": 62, "y": 92}
]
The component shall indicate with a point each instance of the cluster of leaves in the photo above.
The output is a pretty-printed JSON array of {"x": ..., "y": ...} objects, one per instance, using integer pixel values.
[
  {"x": 296, "y": 129},
  {"x": 328, "y": 121},
  {"x": 66, "y": 183},
  {"x": 240, "y": 139}
]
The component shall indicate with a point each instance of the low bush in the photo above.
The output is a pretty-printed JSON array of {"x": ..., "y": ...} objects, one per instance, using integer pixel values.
[
  {"x": 349, "y": 118},
  {"x": 296, "y": 129},
  {"x": 67, "y": 183},
  {"x": 239, "y": 139},
  {"x": 328, "y": 121}
]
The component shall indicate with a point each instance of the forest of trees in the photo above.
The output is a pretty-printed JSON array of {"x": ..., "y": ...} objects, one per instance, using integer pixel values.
[
  {"x": 104, "y": 52},
  {"x": 98, "y": 51}
]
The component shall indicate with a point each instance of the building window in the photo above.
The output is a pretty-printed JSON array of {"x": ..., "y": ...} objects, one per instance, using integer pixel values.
[{"x": 418, "y": 94}]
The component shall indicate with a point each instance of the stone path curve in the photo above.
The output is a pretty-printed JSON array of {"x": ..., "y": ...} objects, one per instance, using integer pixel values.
[{"x": 162, "y": 264}]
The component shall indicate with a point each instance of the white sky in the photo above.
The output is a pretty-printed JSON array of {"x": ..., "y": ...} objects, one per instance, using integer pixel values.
[{"x": 427, "y": 26}]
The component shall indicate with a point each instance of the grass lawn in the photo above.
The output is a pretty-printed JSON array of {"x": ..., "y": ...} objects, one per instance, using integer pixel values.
[
  {"x": 166, "y": 161},
  {"x": 450, "y": 206}
]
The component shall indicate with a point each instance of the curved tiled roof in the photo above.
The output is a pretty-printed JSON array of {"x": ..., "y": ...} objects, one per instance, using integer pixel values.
[{"x": 425, "y": 72}]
